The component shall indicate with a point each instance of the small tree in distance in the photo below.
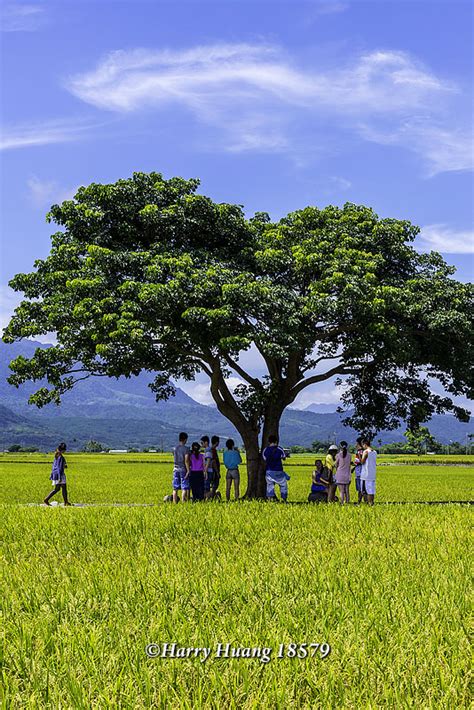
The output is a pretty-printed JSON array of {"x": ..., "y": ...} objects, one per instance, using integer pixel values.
[
  {"x": 146, "y": 274},
  {"x": 93, "y": 447}
]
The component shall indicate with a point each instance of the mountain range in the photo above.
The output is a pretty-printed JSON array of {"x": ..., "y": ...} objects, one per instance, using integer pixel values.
[{"x": 123, "y": 413}]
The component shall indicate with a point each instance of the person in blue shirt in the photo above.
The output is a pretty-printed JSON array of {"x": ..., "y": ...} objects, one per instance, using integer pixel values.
[
  {"x": 320, "y": 483},
  {"x": 58, "y": 475},
  {"x": 273, "y": 455},
  {"x": 232, "y": 459}
]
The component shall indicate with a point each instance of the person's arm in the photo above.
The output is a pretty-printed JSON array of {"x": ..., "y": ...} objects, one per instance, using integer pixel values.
[
  {"x": 240, "y": 458},
  {"x": 314, "y": 477},
  {"x": 364, "y": 456},
  {"x": 206, "y": 466},
  {"x": 187, "y": 464}
]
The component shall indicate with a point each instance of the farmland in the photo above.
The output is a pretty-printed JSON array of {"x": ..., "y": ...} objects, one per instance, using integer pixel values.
[{"x": 86, "y": 589}]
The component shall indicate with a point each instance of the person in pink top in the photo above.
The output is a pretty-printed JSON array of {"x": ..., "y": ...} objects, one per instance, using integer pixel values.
[{"x": 343, "y": 472}]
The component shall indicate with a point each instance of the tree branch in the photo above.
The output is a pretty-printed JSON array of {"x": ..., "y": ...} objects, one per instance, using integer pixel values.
[
  {"x": 254, "y": 381},
  {"x": 337, "y": 370}
]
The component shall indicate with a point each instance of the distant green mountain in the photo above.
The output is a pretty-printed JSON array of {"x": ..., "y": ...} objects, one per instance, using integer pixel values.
[
  {"x": 123, "y": 413},
  {"x": 15, "y": 429}
]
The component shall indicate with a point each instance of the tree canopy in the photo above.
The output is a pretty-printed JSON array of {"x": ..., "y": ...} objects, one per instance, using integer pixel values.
[{"x": 147, "y": 274}]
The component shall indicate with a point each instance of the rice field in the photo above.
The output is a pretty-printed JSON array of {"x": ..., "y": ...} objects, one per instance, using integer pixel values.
[{"x": 86, "y": 589}]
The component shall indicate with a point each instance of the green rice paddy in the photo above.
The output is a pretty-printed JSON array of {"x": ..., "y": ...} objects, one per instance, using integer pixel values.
[{"x": 84, "y": 590}]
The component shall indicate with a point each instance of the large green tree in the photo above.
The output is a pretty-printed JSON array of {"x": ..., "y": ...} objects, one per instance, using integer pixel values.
[{"x": 146, "y": 274}]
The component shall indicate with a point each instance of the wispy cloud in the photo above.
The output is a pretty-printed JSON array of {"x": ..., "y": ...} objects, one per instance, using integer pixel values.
[
  {"x": 326, "y": 7},
  {"x": 9, "y": 300},
  {"x": 22, "y": 17},
  {"x": 42, "y": 133},
  {"x": 47, "y": 192},
  {"x": 440, "y": 237},
  {"x": 259, "y": 98}
]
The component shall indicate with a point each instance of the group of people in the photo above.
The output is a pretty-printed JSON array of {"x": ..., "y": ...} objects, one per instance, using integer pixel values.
[
  {"x": 197, "y": 471},
  {"x": 336, "y": 473}
]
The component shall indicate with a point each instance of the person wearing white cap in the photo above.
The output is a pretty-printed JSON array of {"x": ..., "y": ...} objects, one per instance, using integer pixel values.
[{"x": 330, "y": 464}]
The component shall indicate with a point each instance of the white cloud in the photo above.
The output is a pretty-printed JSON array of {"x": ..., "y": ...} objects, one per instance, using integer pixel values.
[
  {"x": 47, "y": 192},
  {"x": 9, "y": 300},
  {"x": 258, "y": 98},
  {"x": 200, "y": 390},
  {"x": 443, "y": 149},
  {"x": 329, "y": 7},
  {"x": 314, "y": 394},
  {"x": 42, "y": 133},
  {"x": 440, "y": 237},
  {"x": 22, "y": 17},
  {"x": 339, "y": 183}
]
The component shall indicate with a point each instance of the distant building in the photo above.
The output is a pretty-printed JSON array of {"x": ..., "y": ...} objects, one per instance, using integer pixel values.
[{"x": 118, "y": 451}]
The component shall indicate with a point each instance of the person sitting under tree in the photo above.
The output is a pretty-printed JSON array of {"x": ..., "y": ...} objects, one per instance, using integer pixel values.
[{"x": 320, "y": 483}]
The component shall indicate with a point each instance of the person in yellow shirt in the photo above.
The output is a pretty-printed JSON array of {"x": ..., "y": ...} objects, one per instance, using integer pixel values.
[{"x": 330, "y": 464}]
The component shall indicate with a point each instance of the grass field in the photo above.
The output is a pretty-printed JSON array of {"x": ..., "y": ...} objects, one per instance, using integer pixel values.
[{"x": 84, "y": 590}]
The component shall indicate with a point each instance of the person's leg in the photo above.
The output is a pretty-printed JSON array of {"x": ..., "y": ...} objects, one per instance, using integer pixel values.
[
  {"x": 332, "y": 492},
  {"x": 176, "y": 484},
  {"x": 228, "y": 486},
  {"x": 237, "y": 487},
  {"x": 64, "y": 491},
  {"x": 185, "y": 494},
  {"x": 347, "y": 493},
  {"x": 370, "y": 488},
  {"x": 200, "y": 493},
  {"x": 341, "y": 492},
  {"x": 284, "y": 490},
  {"x": 270, "y": 488},
  {"x": 55, "y": 490},
  {"x": 364, "y": 492}
]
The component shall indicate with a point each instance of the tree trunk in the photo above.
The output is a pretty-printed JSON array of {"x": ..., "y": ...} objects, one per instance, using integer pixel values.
[{"x": 256, "y": 487}]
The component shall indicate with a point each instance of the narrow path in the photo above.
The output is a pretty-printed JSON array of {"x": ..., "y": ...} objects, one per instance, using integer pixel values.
[{"x": 295, "y": 502}]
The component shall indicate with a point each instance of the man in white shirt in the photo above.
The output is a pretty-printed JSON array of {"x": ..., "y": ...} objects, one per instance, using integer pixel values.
[{"x": 369, "y": 467}]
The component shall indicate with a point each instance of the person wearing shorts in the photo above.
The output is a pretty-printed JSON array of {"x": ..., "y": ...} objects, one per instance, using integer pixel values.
[
  {"x": 232, "y": 459},
  {"x": 181, "y": 468},
  {"x": 369, "y": 468},
  {"x": 273, "y": 455}
]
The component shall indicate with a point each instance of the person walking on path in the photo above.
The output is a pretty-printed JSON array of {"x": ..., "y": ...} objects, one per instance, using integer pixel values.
[
  {"x": 330, "y": 464},
  {"x": 343, "y": 472},
  {"x": 232, "y": 459},
  {"x": 58, "y": 475},
  {"x": 197, "y": 471},
  {"x": 368, "y": 474},
  {"x": 273, "y": 455},
  {"x": 181, "y": 468}
]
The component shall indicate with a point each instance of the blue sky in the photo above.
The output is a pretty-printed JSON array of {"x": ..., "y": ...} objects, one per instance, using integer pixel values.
[{"x": 273, "y": 105}]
